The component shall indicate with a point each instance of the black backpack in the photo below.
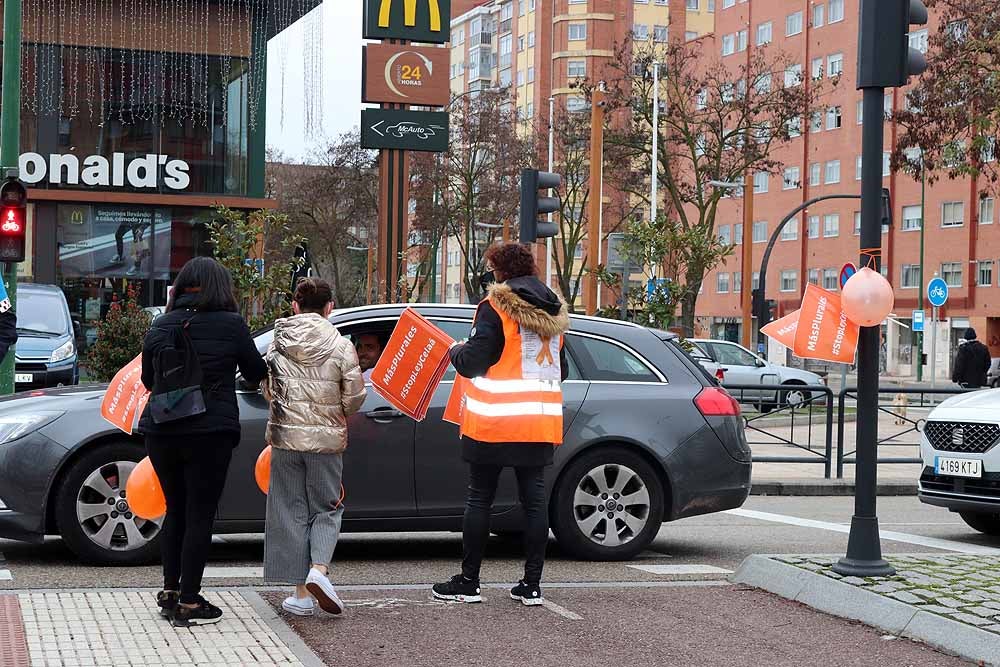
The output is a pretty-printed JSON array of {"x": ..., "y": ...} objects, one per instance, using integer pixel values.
[{"x": 177, "y": 381}]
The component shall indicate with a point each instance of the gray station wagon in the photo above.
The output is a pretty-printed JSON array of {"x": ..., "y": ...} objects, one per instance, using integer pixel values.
[{"x": 649, "y": 437}]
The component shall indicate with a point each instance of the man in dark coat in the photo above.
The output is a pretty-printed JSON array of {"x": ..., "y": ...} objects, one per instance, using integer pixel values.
[{"x": 972, "y": 362}]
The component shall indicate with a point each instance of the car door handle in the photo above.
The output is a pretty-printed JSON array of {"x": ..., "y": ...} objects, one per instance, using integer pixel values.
[{"x": 384, "y": 413}]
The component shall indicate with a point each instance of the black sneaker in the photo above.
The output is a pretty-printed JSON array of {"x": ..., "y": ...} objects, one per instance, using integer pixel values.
[
  {"x": 167, "y": 602},
  {"x": 458, "y": 589},
  {"x": 203, "y": 614},
  {"x": 528, "y": 594}
]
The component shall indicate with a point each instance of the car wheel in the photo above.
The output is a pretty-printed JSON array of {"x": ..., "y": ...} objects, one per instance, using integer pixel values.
[
  {"x": 92, "y": 512},
  {"x": 988, "y": 524},
  {"x": 607, "y": 505},
  {"x": 793, "y": 396}
]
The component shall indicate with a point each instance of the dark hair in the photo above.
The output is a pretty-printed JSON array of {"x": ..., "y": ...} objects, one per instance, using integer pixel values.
[
  {"x": 512, "y": 260},
  {"x": 205, "y": 285},
  {"x": 312, "y": 295}
]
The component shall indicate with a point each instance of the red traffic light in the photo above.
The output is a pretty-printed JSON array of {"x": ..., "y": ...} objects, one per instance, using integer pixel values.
[{"x": 12, "y": 221}]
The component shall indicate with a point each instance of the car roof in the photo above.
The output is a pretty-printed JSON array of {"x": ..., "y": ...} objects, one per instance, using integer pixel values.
[
  {"x": 39, "y": 287},
  {"x": 424, "y": 307}
]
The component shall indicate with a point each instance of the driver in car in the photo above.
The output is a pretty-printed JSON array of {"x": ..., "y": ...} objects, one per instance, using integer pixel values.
[{"x": 369, "y": 349}]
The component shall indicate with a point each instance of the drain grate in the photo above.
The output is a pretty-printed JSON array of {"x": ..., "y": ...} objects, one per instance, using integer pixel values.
[{"x": 13, "y": 647}]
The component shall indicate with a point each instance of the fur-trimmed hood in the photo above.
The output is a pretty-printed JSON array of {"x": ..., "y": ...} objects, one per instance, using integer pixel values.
[{"x": 531, "y": 304}]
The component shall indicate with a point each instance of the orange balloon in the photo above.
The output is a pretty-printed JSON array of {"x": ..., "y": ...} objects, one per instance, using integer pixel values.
[
  {"x": 867, "y": 298},
  {"x": 262, "y": 471},
  {"x": 144, "y": 493}
]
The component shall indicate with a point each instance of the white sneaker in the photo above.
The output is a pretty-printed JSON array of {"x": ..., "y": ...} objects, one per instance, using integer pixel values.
[
  {"x": 299, "y": 606},
  {"x": 319, "y": 585}
]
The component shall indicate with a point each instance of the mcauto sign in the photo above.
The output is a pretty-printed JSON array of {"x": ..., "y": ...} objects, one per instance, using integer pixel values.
[
  {"x": 395, "y": 74},
  {"x": 404, "y": 130},
  {"x": 140, "y": 173},
  {"x": 413, "y": 20}
]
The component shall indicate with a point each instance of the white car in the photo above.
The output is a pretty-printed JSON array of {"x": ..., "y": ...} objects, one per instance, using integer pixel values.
[
  {"x": 961, "y": 456},
  {"x": 740, "y": 366}
]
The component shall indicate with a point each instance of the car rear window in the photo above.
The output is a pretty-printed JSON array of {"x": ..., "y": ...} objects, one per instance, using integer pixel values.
[{"x": 603, "y": 360}]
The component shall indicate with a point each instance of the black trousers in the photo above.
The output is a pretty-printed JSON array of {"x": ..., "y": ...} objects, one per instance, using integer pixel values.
[
  {"x": 483, "y": 480},
  {"x": 192, "y": 471}
]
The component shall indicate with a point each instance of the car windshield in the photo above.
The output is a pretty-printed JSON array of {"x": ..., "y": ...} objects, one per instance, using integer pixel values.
[{"x": 42, "y": 313}]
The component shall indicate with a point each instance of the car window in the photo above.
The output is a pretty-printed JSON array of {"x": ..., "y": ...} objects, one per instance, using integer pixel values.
[
  {"x": 735, "y": 356},
  {"x": 605, "y": 361},
  {"x": 457, "y": 330}
]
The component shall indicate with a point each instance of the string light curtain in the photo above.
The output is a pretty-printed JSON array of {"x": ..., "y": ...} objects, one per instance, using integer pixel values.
[{"x": 139, "y": 59}]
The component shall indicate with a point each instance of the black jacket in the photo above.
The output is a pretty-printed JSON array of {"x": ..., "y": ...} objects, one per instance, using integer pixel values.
[
  {"x": 972, "y": 362},
  {"x": 224, "y": 344},
  {"x": 533, "y": 306}
]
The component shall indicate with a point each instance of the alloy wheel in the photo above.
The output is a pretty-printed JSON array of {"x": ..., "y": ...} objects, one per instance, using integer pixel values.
[
  {"x": 611, "y": 505},
  {"x": 104, "y": 513}
]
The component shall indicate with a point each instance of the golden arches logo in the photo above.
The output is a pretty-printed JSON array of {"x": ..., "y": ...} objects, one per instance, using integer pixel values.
[{"x": 410, "y": 14}]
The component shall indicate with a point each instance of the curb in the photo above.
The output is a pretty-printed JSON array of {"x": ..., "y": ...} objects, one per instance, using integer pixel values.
[
  {"x": 826, "y": 487},
  {"x": 839, "y": 599},
  {"x": 295, "y": 644}
]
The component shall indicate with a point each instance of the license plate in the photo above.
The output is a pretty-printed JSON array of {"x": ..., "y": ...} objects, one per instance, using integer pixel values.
[
  {"x": 22, "y": 378},
  {"x": 958, "y": 467}
]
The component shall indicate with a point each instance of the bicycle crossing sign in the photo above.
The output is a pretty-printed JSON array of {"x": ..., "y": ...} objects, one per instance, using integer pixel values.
[{"x": 937, "y": 292}]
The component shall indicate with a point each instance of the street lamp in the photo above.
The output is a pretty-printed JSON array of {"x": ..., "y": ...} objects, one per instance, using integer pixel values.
[{"x": 746, "y": 282}]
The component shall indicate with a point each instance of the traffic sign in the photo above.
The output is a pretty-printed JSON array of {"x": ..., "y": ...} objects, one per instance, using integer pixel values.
[
  {"x": 404, "y": 130},
  {"x": 652, "y": 285},
  {"x": 918, "y": 320},
  {"x": 846, "y": 271},
  {"x": 937, "y": 292},
  {"x": 427, "y": 21}
]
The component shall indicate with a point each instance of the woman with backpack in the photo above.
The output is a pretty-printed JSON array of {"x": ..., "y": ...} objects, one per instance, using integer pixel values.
[
  {"x": 315, "y": 384},
  {"x": 192, "y": 423}
]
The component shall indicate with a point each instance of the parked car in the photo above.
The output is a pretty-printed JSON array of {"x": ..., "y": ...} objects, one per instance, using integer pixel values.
[
  {"x": 46, "y": 354},
  {"x": 740, "y": 366},
  {"x": 155, "y": 312},
  {"x": 993, "y": 375},
  {"x": 650, "y": 438},
  {"x": 961, "y": 457}
]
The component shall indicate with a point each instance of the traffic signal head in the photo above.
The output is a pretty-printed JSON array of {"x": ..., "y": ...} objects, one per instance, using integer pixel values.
[
  {"x": 533, "y": 205},
  {"x": 885, "y": 59},
  {"x": 13, "y": 220}
]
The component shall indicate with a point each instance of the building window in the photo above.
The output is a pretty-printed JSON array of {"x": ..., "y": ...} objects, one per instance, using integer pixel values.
[
  {"x": 641, "y": 32},
  {"x": 952, "y": 214},
  {"x": 760, "y": 182},
  {"x": 577, "y": 32},
  {"x": 836, "y": 12},
  {"x": 760, "y": 231},
  {"x": 520, "y": 77},
  {"x": 763, "y": 83},
  {"x": 832, "y": 172},
  {"x": 520, "y": 43},
  {"x": 816, "y": 121},
  {"x": 918, "y": 40},
  {"x": 813, "y": 276},
  {"x": 529, "y": 111},
  {"x": 725, "y": 237},
  {"x": 857, "y": 168},
  {"x": 835, "y": 65},
  {"x": 952, "y": 273},
  {"x": 722, "y": 283},
  {"x": 737, "y": 282},
  {"x": 911, "y": 218},
  {"x": 574, "y": 104},
  {"x": 859, "y": 110},
  {"x": 755, "y": 280},
  {"x": 764, "y": 31},
  {"x": 576, "y": 69},
  {"x": 737, "y": 234},
  {"x": 793, "y": 24},
  {"x": 910, "y": 278},
  {"x": 793, "y": 76},
  {"x": 986, "y": 211},
  {"x": 816, "y": 68},
  {"x": 818, "y": 13},
  {"x": 790, "y": 232},
  {"x": 831, "y": 225},
  {"x": 831, "y": 279},
  {"x": 886, "y": 163},
  {"x": 583, "y": 2},
  {"x": 520, "y": 8},
  {"x": 790, "y": 179},
  {"x": 815, "y": 171},
  {"x": 728, "y": 45},
  {"x": 726, "y": 4},
  {"x": 857, "y": 223},
  {"x": 834, "y": 118},
  {"x": 741, "y": 40},
  {"x": 789, "y": 281},
  {"x": 794, "y": 127},
  {"x": 690, "y": 35},
  {"x": 985, "y": 273},
  {"x": 531, "y": 39},
  {"x": 531, "y": 75},
  {"x": 660, "y": 33},
  {"x": 692, "y": 5},
  {"x": 711, "y": 5}
]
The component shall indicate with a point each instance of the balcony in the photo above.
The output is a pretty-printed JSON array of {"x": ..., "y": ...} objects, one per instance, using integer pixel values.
[
  {"x": 481, "y": 39},
  {"x": 505, "y": 26}
]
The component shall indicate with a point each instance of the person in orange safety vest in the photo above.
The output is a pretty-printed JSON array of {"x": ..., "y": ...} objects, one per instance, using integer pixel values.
[{"x": 512, "y": 412}]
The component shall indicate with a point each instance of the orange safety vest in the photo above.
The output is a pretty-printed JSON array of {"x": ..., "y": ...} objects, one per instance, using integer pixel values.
[{"x": 520, "y": 397}]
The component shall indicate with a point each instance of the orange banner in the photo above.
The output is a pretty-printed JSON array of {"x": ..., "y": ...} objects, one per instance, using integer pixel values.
[
  {"x": 782, "y": 329},
  {"x": 456, "y": 402},
  {"x": 411, "y": 367},
  {"x": 126, "y": 397},
  {"x": 824, "y": 332}
]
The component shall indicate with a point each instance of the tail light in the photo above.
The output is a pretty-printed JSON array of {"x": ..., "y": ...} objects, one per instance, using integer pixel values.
[{"x": 716, "y": 402}]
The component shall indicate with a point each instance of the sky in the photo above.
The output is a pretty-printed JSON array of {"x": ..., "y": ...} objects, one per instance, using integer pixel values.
[{"x": 342, "y": 80}]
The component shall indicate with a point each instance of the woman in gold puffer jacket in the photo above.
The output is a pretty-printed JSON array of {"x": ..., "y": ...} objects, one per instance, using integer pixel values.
[{"x": 314, "y": 385}]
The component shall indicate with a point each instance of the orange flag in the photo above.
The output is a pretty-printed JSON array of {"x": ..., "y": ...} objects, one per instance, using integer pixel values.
[
  {"x": 783, "y": 329},
  {"x": 125, "y": 397},
  {"x": 824, "y": 332}
]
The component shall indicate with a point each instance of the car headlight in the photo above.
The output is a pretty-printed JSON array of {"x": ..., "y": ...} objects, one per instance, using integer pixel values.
[
  {"x": 64, "y": 351},
  {"x": 15, "y": 426}
]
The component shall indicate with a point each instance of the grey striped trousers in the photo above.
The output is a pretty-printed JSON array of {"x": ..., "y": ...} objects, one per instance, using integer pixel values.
[{"x": 304, "y": 513}]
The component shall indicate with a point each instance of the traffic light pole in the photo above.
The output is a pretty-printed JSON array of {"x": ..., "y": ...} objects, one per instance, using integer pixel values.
[{"x": 10, "y": 141}]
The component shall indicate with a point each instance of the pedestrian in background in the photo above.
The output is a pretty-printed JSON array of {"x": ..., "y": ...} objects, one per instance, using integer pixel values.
[
  {"x": 191, "y": 454},
  {"x": 972, "y": 362},
  {"x": 315, "y": 384},
  {"x": 512, "y": 414}
]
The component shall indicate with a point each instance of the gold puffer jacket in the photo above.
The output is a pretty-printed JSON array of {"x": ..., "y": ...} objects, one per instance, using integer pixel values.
[{"x": 314, "y": 385}]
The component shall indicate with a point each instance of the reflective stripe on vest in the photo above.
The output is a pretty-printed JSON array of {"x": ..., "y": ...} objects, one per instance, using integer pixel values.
[{"x": 520, "y": 397}]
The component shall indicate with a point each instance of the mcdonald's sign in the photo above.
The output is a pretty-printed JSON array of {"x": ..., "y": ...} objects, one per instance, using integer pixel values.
[{"x": 426, "y": 21}]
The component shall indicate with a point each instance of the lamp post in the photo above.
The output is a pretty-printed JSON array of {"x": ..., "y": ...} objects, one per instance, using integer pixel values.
[{"x": 548, "y": 241}]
